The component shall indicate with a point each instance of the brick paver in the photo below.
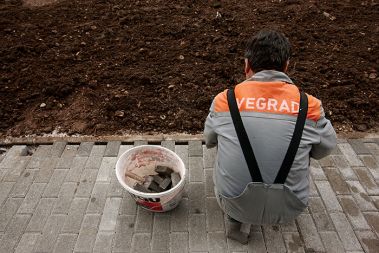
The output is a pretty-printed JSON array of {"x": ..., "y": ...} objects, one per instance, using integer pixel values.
[
  {"x": 32, "y": 197},
  {"x": 179, "y": 217},
  {"x": 369, "y": 241},
  {"x": 128, "y": 205},
  {"x": 195, "y": 148},
  {"x": 141, "y": 243},
  {"x": 371, "y": 164},
  {"x": 13, "y": 233},
  {"x": 214, "y": 215},
  {"x": 344, "y": 167},
  {"x": 57, "y": 148},
  {"x": 98, "y": 150},
  {"x": 65, "y": 243},
  {"x": 196, "y": 198},
  {"x": 53, "y": 187},
  {"x": 320, "y": 214},
  {"x": 65, "y": 197},
  {"x": 41, "y": 214},
  {"x": 350, "y": 154},
  {"x": 5, "y": 189},
  {"x": 217, "y": 242},
  {"x": 103, "y": 242},
  {"x": 332, "y": 242},
  {"x": 45, "y": 170},
  {"x": 160, "y": 240},
  {"x": 98, "y": 198},
  {"x": 144, "y": 221},
  {"x": 87, "y": 233},
  {"x": 197, "y": 232},
  {"x": 358, "y": 146},
  {"x": 179, "y": 242},
  {"x": 310, "y": 234},
  {"x": 50, "y": 233},
  {"x": 361, "y": 197},
  {"x": 169, "y": 145},
  {"x": 106, "y": 168},
  {"x": 7, "y": 211},
  {"x": 23, "y": 183},
  {"x": 353, "y": 213},
  {"x": 87, "y": 181},
  {"x": 27, "y": 242},
  {"x": 112, "y": 148},
  {"x": 196, "y": 173},
  {"x": 257, "y": 243},
  {"x": 124, "y": 233},
  {"x": 14, "y": 171},
  {"x": 64, "y": 162},
  {"x": 75, "y": 215},
  {"x": 345, "y": 232},
  {"x": 85, "y": 149},
  {"x": 109, "y": 217},
  {"x": 328, "y": 196}
]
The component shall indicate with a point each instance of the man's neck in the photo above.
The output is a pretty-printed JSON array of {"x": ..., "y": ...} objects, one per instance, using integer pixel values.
[{"x": 269, "y": 76}]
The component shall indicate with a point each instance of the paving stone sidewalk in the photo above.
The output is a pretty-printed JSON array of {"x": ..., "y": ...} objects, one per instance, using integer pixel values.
[{"x": 65, "y": 197}]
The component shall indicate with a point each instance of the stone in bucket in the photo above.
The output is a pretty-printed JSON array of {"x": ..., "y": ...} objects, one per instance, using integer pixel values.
[{"x": 163, "y": 181}]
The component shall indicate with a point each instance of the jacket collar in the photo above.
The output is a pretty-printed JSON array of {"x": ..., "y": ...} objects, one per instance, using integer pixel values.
[{"x": 270, "y": 76}]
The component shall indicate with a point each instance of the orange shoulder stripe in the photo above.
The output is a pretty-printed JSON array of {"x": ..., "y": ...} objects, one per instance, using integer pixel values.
[
  {"x": 314, "y": 108},
  {"x": 221, "y": 102}
]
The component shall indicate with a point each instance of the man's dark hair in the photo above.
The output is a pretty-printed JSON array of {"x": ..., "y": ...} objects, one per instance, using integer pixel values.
[{"x": 268, "y": 50}]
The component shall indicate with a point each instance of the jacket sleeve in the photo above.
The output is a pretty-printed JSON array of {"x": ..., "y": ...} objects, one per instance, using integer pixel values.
[
  {"x": 327, "y": 138},
  {"x": 210, "y": 134}
]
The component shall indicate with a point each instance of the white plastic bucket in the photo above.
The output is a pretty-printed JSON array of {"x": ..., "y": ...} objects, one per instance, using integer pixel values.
[{"x": 142, "y": 160}]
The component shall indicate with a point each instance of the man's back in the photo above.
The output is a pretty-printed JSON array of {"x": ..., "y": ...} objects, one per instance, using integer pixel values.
[{"x": 269, "y": 103}]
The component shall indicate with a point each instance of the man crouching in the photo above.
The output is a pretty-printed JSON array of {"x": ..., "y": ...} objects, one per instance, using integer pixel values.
[{"x": 265, "y": 131}]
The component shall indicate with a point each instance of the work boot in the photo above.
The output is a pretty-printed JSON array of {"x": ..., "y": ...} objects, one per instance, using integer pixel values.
[{"x": 238, "y": 231}]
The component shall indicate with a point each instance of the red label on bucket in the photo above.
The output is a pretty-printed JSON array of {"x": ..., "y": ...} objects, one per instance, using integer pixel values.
[{"x": 153, "y": 204}]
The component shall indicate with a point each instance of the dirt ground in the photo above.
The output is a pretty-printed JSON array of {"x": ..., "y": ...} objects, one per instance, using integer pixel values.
[{"x": 101, "y": 67}]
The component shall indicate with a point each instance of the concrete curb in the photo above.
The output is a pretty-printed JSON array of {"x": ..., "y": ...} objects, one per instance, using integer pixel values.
[
  {"x": 106, "y": 138},
  {"x": 177, "y": 137}
]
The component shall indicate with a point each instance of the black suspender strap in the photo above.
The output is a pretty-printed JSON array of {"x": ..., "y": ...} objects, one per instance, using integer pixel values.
[
  {"x": 248, "y": 150},
  {"x": 295, "y": 141},
  {"x": 243, "y": 138}
]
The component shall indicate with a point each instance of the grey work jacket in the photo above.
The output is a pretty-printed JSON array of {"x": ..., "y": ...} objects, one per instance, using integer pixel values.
[{"x": 268, "y": 103}]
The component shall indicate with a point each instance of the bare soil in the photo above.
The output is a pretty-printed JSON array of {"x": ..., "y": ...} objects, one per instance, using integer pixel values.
[{"x": 101, "y": 67}]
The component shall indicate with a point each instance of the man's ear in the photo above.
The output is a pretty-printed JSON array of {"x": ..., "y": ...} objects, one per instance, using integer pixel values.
[
  {"x": 286, "y": 66},
  {"x": 248, "y": 71}
]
